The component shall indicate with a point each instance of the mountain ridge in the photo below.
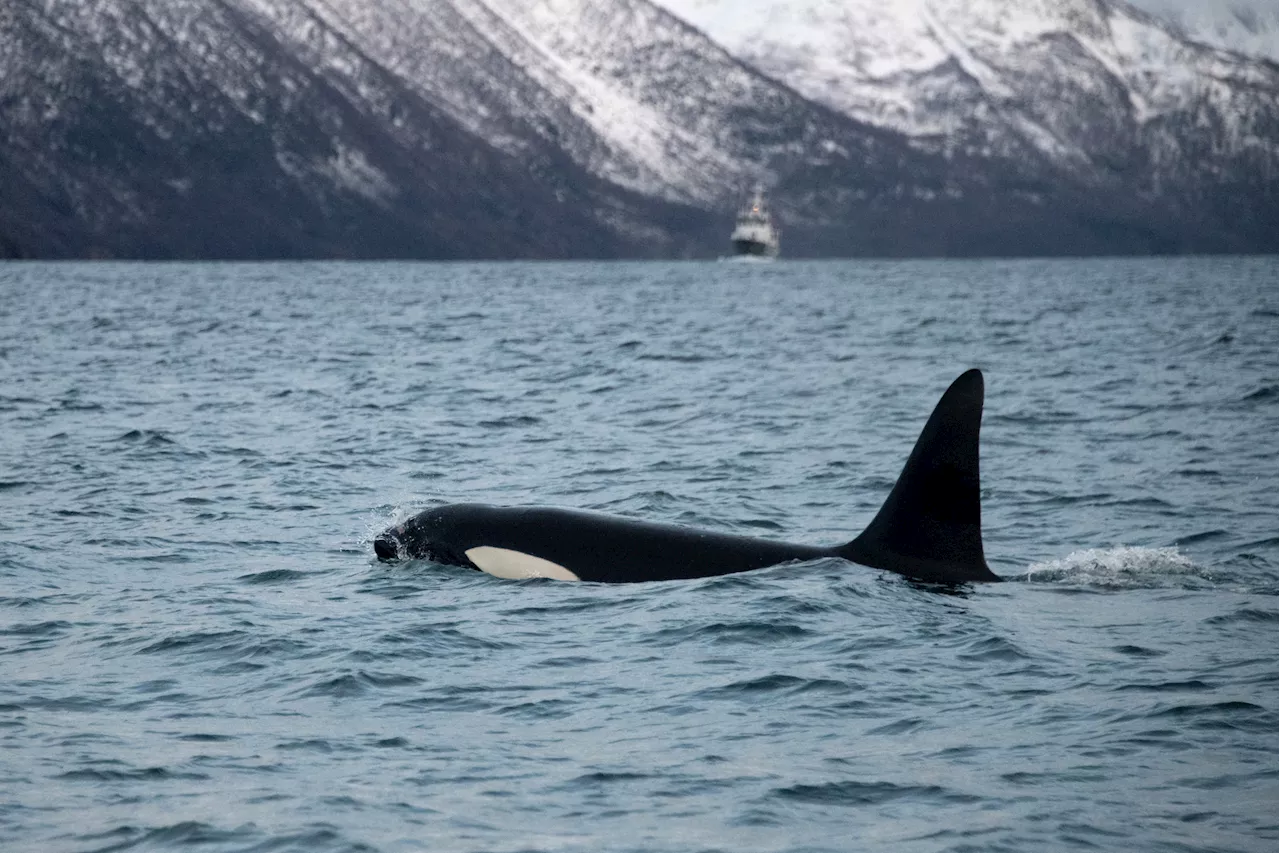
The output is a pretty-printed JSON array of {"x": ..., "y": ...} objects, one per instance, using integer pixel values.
[
  {"x": 1247, "y": 27},
  {"x": 560, "y": 128}
]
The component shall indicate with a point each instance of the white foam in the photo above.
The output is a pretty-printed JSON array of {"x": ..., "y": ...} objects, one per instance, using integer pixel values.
[
  {"x": 377, "y": 522},
  {"x": 1121, "y": 567}
]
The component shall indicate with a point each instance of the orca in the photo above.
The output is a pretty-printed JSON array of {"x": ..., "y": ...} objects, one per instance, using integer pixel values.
[{"x": 929, "y": 528}]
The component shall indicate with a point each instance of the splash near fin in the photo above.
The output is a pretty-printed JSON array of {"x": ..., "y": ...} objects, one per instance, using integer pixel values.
[{"x": 930, "y": 527}]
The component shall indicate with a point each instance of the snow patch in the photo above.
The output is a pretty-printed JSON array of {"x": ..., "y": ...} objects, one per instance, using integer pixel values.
[
  {"x": 350, "y": 168},
  {"x": 347, "y": 168}
]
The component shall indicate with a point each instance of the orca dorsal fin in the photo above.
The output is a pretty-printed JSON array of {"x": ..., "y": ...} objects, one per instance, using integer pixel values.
[{"x": 930, "y": 526}]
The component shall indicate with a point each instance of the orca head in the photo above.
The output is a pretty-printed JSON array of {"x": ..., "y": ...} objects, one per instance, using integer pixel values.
[
  {"x": 434, "y": 534},
  {"x": 387, "y": 545},
  {"x": 473, "y": 536}
]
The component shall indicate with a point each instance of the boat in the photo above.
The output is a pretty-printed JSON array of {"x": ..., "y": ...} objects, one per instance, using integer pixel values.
[{"x": 754, "y": 236}]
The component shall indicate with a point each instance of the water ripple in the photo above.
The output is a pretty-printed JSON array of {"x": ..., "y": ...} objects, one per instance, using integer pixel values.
[
  {"x": 853, "y": 793},
  {"x": 201, "y": 651}
]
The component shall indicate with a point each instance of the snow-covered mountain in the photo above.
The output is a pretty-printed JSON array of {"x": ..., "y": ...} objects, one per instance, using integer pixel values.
[
  {"x": 190, "y": 128},
  {"x": 615, "y": 85},
  {"x": 1081, "y": 82},
  {"x": 1249, "y": 27},
  {"x": 561, "y": 128}
]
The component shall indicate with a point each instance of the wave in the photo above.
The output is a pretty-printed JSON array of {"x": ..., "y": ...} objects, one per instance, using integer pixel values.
[
  {"x": 52, "y": 627},
  {"x": 508, "y": 421},
  {"x": 776, "y": 683},
  {"x": 853, "y": 793},
  {"x": 203, "y": 836},
  {"x": 1245, "y": 615},
  {"x": 1266, "y": 393},
  {"x": 1123, "y": 567},
  {"x": 146, "y": 774},
  {"x": 273, "y": 576},
  {"x": 351, "y": 684},
  {"x": 732, "y": 633},
  {"x": 146, "y": 436}
]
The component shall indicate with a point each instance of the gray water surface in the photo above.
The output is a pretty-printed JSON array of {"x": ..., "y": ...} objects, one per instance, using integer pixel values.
[{"x": 198, "y": 650}]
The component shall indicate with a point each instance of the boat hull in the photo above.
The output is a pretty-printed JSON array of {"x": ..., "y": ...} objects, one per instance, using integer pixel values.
[{"x": 754, "y": 249}]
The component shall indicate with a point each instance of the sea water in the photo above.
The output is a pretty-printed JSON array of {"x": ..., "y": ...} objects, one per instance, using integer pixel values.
[{"x": 198, "y": 649}]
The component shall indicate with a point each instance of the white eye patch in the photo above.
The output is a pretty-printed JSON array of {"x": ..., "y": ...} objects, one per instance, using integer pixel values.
[{"x": 516, "y": 565}]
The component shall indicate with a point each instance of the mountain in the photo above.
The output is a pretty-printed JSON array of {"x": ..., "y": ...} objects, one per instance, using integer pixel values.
[
  {"x": 186, "y": 128},
  {"x": 615, "y": 128},
  {"x": 1099, "y": 90},
  {"x": 1248, "y": 27}
]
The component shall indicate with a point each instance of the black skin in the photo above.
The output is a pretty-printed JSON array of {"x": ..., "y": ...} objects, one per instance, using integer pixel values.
[
  {"x": 929, "y": 529},
  {"x": 593, "y": 546}
]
